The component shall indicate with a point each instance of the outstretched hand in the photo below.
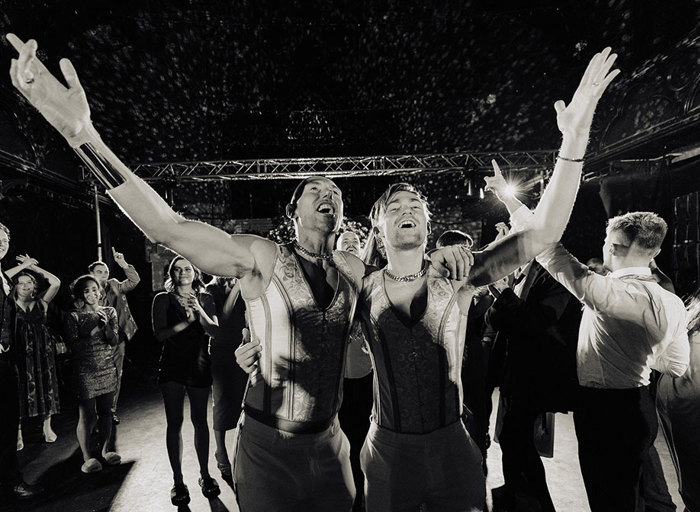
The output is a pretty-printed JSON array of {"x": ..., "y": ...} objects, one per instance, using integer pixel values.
[
  {"x": 65, "y": 108},
  {"x": 576, "y": 118},
  {"x": 496, "y": 183},
  {"x": 119, "y": 258}
]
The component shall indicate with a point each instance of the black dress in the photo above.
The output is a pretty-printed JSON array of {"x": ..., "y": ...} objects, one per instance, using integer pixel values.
[{"x": 185, "y": 358}]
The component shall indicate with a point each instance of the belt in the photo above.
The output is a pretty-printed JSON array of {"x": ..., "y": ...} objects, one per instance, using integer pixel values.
[{"x": 294, "y": 427}]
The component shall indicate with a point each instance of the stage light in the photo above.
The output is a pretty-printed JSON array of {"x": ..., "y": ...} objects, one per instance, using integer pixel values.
[{"x": 511, "y": 190}]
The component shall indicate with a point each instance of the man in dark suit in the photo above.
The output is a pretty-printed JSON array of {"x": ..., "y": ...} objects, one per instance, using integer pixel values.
[
  {"x": 538, "y": 320},
  {"x": 11, "y": 482}
]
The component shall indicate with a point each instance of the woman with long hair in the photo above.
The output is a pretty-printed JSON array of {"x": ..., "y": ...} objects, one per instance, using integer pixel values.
[
  {"x": 183, "y": 319},
  {"x": 92, "y": 330},
  {"x": 36, "y": 348},
  {"x": 678, "y": 404}
]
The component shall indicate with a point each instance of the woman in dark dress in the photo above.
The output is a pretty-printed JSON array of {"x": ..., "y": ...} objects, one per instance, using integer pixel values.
[
  {"x": 36, "y": 350},
  {"x": 182, "y": 318},
  {"x": 92, "y": 330}
]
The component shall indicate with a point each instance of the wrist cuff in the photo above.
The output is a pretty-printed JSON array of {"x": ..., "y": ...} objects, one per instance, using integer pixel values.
[{"x": 106, "y": 173}]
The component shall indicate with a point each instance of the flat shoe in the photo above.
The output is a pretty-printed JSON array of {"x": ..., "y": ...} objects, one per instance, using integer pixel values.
[
  {"x": 210, "y": 489},
  {"x": 50, "y": 436},
  {"x": 179, "y": 495},
  {"x": 112, "y": 458},
  {"x": 91, "y": 466}
]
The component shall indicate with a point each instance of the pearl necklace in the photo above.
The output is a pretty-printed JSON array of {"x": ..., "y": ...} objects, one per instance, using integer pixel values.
[
  {"x": 313, "y": 255},
  {"x": 409, "y": 278}
]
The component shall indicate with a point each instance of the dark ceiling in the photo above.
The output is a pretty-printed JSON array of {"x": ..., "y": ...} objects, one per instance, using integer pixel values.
[{"x": 183, "y": 81}]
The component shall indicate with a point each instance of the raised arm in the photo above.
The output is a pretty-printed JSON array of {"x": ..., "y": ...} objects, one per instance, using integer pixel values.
[
  {"x": 54, "y": 283},
  {"x": 67, "y": 110},
  {"x": 132, "y": 277},
  {"x": 24, "y": 262},
  {"x": 554, "y": 209}
]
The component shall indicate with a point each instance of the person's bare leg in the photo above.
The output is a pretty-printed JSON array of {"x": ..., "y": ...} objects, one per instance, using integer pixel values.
[
  {"x": 199, "y": 400},
  {"x": 104, "y": 414},
  {"x": 174, "y": 402},
  {"x": 86, "y": 423},
  {"x": 49, "y": 435},
  {"x": 222, "y": 460}
]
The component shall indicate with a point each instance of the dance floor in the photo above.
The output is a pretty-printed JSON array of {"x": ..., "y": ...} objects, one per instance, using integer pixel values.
[{"x": 142, "y": 482}]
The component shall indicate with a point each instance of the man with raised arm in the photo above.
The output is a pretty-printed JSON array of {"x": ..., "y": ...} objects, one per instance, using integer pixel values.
[
  {"x": 114, "y": 295},
  {"x": 630, "y": 325},
  {"x": 291, "y": 454},
  {"x": 632, "y": 322},
  {"x": 418, "y": 450}
]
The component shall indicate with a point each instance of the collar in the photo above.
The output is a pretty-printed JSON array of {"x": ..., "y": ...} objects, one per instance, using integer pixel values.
[{"x": 631, "y": 271}]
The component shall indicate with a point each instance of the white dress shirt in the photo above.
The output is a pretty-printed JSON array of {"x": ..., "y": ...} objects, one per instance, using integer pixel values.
[{"x": 630, "y": 324}]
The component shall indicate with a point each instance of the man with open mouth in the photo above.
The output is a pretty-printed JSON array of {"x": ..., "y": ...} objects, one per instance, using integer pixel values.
[
  {"x": 418, "y": 451},
  {"x": 300, "y": 298}
]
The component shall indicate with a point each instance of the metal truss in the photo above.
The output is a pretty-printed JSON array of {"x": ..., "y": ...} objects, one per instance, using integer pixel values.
[{"x": 346, "y": 167}]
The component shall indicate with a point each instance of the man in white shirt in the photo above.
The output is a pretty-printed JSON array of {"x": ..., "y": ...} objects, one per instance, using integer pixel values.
[{"x": 630, "y": 325}]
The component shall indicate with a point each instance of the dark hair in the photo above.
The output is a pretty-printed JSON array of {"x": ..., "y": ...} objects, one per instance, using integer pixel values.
[
  {"x": 92, "y": 265},
  {"x": 646, "y": 229},
  {"x": 298, "y": 191},
  {"x": 380, "y": 204},
  {"x": 77, "y": 287},
  {"x": 197, "y": 283},
  {"x": 454, "y": 237},
  {"x": 24, "y": 273}
]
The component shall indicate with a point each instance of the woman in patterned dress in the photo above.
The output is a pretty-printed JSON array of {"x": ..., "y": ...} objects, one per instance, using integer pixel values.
[
  {"x": 183, "y": 319},
  {"x": 36, "y": 359},
  {"x": 92, "y": 331}
]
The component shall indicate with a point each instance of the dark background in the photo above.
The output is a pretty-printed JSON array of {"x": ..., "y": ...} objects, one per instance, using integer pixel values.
[{"x": 189, "y": 81}]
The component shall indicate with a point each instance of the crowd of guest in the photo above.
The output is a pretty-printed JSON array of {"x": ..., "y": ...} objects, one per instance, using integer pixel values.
[
  {"x": 93, "y": 332},
  {"x": 524, "y": 337},
  {"x": 199, "y": 330}
]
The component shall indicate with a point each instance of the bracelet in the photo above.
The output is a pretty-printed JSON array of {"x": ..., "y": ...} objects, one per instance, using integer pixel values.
[
  {"x": 101, "y": 168},
  {"x": 575, "y": 160}
]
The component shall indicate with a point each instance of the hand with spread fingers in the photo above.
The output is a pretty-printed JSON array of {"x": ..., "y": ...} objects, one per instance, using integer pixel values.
[
  {"x": 65, "y": 108},
  {"x": 576, "y": 118}
]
